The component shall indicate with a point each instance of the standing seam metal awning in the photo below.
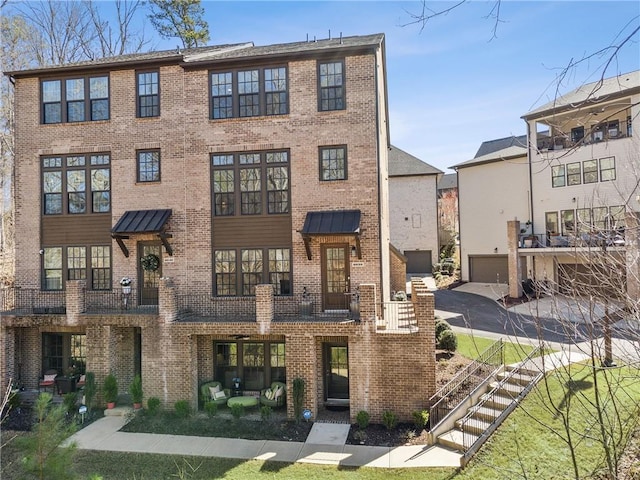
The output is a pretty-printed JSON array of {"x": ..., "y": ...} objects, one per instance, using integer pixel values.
[
  {"x": 142, "y": 221},
  {"x": 332, "y": 222}
]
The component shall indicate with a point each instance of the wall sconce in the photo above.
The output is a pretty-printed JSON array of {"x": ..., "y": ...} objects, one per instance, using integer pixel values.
[
  {"x": 495, "y": 250},
  {"x": 354, "y": 252},
  {"x": 573, "y": 199}
]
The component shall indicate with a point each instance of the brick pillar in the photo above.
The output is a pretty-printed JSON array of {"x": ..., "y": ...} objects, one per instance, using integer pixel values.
[
  {"x": 167, "y": 302},
  {"x": 424, "y": 306},
  {"x": 632, "y": 253},
  {"x": 75, "y": 300},
  {"x": 515, "y": 274},
  {"x": 368, "y": 311},
  {"x": 264, "y": 308},
  {"x": 7, "y": 357},
  {"x": 301, "y": 362}
]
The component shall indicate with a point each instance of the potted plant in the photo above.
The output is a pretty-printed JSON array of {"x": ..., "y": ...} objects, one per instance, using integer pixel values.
[
  {"x": 110, "y": 390},
  {"x": 125, "y": 283},
  {"x": 67, "y": 382},
  {"x": 306, "y": 305},
  {"x": 135, "y": 389}
]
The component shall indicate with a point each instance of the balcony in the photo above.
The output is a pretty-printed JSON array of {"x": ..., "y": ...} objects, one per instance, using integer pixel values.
[{"x": 588, "y": 240}]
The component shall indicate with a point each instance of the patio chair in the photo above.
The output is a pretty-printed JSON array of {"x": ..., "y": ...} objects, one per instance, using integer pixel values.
[
  {"x": 48, "y": 380},
  {"x": 275, "y": 395},
  {"x": 213, "y": 392}
]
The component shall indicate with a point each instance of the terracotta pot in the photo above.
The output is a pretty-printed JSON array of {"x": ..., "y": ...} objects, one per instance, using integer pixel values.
[
  {"x": 111, "y": 405},
  {"x": 137, "y": 406}
]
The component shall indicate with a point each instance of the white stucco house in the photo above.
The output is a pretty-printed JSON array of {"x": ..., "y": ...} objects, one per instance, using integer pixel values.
[{"x": 413, "y": 209}]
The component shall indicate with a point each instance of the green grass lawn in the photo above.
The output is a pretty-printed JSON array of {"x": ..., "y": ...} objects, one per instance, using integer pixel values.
[{"x": 472, "y": 346}]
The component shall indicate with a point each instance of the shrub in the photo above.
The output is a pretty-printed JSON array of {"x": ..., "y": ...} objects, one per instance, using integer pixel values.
[
  {"x": 448, "y": 341},
  {"x": 237, "y": 411},
  {"x": 420, "y": 418},
  {"x": 183, "y": 409},
  {"x": 153, "y": 405},
  {"x": 90, "y": 390},
  {"x": 265, "y": 412},
  {"x": 211, "y": 408},
  {"x": 441, "y": 326},
  {"x": 389, "y": 420},
  {"x": 135, "y": 389},
  {"x": 69, "y": 401},
  {"x": 362, "y": 418},
  {"x": 298, "y": 397},
  {"x": 110, "y": 389}
]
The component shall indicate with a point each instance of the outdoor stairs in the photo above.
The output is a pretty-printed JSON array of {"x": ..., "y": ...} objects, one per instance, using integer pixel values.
[{"x": 481, "y": 419}]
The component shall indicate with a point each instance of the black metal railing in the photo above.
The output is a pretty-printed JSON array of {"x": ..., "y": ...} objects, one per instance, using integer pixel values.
[
  {"x": 396, "y": 317},
  {"x": 206, "y": 307},
  {"x": 460, "y": 387},
  {"x": 594, "y": 239},
  {"x": 28, "y": 301},
  {"x": 475, "y": 430},
  {"x": 311, "y": 306},
  {"x": 114, "y": 302}
]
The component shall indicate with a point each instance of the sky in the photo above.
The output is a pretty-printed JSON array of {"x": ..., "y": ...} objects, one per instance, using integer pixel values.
[{"x": 452, "y": 84}]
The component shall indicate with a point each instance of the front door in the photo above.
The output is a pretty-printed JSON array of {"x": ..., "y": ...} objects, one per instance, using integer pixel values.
[
  {"x": 335, "y": 277},
  {"x": 148, "y": 274},
  {"x": 336, "y": 365}
]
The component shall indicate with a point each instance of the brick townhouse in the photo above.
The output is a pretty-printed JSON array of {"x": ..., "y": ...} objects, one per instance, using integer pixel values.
[{"x": 243, "y": 191}]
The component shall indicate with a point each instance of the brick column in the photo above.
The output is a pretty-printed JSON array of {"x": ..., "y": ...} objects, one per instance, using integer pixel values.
[
  {"x": 300, "y": 362},
  {"x": 167, "y": 302},
  {"x": 75, "y": 300},
  {"x": 368, "y": 311},
  {"x": 7, "y": 357},
  {"x": 264, "y": 308},
  {"x": 632, "y": 253},
  {"x": 515, "y": 274},
  {"x": 424, "y": 306}
]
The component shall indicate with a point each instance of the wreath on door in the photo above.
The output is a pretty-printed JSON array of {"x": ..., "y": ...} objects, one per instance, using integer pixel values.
[{"x": 150, "y": 262}]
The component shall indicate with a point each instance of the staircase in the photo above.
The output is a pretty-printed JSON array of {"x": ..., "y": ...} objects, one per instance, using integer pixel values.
[{"x": 483, "y": 417}]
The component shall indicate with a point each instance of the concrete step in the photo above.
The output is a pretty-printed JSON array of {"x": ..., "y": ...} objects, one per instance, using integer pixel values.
[
  {"x": 474, "y": 425},
  {"x": 455, "y": 439},
  {"x": 508, "y": 389},
  {"x": 485, "y": 413},
  {"x": 522, "y": 378},
  {"x": 118, "y": 411},
  {"x": 498, "y": 402}
]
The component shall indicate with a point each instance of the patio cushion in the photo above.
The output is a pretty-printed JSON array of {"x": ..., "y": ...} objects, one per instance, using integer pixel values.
[
  {"x": 269, "y": 394},
  {"x": 218, "y": 395},
  {"x": 50, "y": 378},
  {"x": 214, "y": 390},
  {"x": 278, "y": 393}
]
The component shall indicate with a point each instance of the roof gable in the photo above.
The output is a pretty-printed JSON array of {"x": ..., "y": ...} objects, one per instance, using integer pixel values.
[{"x": 402, "y": 164}]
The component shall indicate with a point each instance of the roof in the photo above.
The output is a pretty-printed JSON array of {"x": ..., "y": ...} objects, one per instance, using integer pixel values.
[
  {"x": 504, "y": 154},
  {"x": 141, "y": 221},
  {"x": 332, "y": 222},
  {"x": 402, "y": 164},
  {"x": 491, "y": 146},
  {"x": 211, "y": 54},
  {"x": 590, "y": 93},
  {"x": 448, "y": 180}
]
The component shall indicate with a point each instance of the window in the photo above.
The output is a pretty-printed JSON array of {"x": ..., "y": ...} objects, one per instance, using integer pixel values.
[
  {"x": 597, "y": 133},
  {"x": 577, "y": 134},
  {"x": 618, "y": 217},
  {"x": 600, "y": 215},
  {"x": 148, "y": 94},
  {"x": 590, "y": 171},
  {"x": 258, "y": 182},
  {"x": 249, "y": 93},
  {"x": 557, "y": 176},
  {"x": 253, "y": 270},
  {"x": 331, "y": 86},
  {"x": 64, "y": 351},
  {"x": 64, "y": 184},
  {"x": 333, "y": 163},
  {"x": 607, "y": 169},
  {"x": 568, "y": 221},
  {"x": 76, "y": 262},
  {"x": 613, "y": 129},
  {"x": 75, "y": 99},
  {"x": 583, "y": 219},
  {"x": 149, "y": 166},
  {"x": 574, "y": 176},
  {"x": 551, "y": 221},
  {"x": 257, "y": 364}
]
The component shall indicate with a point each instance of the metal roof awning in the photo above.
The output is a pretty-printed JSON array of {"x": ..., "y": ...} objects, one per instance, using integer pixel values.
[
  {"x": 142, "y": 221},
  {"x": 331, "y": 222}
]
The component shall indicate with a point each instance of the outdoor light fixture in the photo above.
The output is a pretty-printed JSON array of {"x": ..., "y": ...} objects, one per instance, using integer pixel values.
[
  {"x": 354, "y": 253},
  {"x": 495, "y": 250}
]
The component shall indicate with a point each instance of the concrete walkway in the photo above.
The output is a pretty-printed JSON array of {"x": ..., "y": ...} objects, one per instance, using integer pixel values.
[{"x": 325, "y": 445}]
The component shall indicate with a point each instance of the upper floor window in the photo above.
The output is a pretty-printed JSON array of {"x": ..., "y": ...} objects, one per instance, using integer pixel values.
[
  {"x": 148, "y": 166},
  {"x": 250, "y": 183},
  {"x": 607, "y": 169},
  {"x": 333, "y": 163},
  {"x": 331, "y": 86},
  {"x": 75, "y": 99},
  {"x": 574, "y": 176},
  {"x": 557, "y": 176},
  {"x": 148, "y": 94},
  {"x": 237, "y": 272},
  {"x": 92, "y": 264},
  {"x": 69, "y": 182},
  {"x": 590, "y": 171},
  {"x": 249, "y": 93}
]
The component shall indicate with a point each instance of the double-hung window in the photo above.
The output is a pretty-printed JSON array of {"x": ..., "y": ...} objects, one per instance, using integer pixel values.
[
  {"x": 148, "y": 165},
  {"x": 607, "y": 169},
  {"x": 238, "y": 271},
  {"x": 331, "y": 94},
  {"x": 77, "y": 262},
  {"x": 75, "y": 99},
  {"x": 574, "y": 176},
  {"x": 590, "y": 171},
  {"x": 76, "y": 184},
  {"x": 249, "y": 93},
  {"x": 333, "y": 163},
  {"x": 148, "y": 94},
  {"x": 557, "y": 176}
]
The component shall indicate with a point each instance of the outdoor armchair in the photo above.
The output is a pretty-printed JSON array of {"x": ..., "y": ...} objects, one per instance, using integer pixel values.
[
  {"x": 274, "y": 396},
  {"x": 213, "y": 391}
]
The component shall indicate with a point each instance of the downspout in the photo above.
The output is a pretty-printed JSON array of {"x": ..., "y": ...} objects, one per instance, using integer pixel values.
[{"x": 531, "y": 217}]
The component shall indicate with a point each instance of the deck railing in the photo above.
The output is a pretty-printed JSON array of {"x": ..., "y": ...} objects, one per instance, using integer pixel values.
[
  {"x": 397, "y": 317},
  {"x": 28, "y": 301},
  {"x": 241, "y": 309},
  {"x": 115, "y": 302},
  {"x": 460, "y": 387}
]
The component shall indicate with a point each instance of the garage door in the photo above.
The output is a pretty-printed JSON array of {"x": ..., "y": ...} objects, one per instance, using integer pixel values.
[
  {"x": 418, "y": 261},
  {"x": 493, "y": 269},
  {"x": 591, "y": 279}
]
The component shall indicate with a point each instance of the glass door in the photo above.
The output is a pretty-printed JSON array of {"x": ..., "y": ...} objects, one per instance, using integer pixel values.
[
  {"x": 336, "y": 364},
  {"x": 149, "y": 272},
  {"x": 335, "y": 277}
]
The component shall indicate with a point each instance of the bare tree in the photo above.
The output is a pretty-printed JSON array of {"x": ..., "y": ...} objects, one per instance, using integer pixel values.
[
  {"x": 120, "y": 38},
  {"x": 180, "y": 19}
]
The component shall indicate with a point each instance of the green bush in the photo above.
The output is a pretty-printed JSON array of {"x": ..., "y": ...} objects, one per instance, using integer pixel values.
[
  {"x": 448, "y": 341},
  {"x": 135, "y": 389},
  {"x": 265, "y": 412},
  {"x": 237, "y": 411},
  {"x": 182, "y": 408},
  {"x": 69, "y": 401},
  {"x": 389, "y": 420},
  {"x": 153, "y": 405},
  {"x": 298, "y": 397},
  {"x": 441, "y": 326},
  {"x": 362, "y": 418},
  {"x": 110, "y": 389},
  {"x": 420, "y": 418},
  {"x": 211, "y": 408},
  {"x": 90, "y": 390}
]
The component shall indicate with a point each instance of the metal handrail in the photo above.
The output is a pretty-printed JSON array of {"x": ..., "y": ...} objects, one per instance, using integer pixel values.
[{"x": 456, "y": 390}]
